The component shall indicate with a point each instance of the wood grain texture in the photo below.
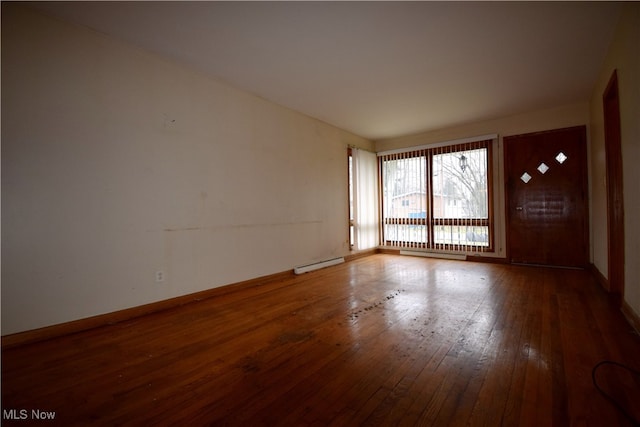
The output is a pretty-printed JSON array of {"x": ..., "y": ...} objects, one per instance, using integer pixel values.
[
  {"x": 381, "y": 340},
  {"x": 548, "y": 215}
]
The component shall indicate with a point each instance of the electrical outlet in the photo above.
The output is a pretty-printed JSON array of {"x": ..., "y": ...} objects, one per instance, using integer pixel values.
[{"x": 159, "y": 276}]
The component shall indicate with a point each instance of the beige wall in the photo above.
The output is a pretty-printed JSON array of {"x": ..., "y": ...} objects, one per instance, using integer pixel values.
[
  {"x": 117, "y": 163},
  {"x": 624, "y": 55},
  {"x": 555, "y": 118}
]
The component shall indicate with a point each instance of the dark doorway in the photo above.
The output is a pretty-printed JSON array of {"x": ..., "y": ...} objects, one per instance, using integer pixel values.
[{"x": 546, "y": 191}]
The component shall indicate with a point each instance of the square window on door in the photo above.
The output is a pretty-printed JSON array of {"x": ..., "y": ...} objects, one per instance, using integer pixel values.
[
  {"x": 561, "y": 157},
  {"x": 543, "y": 168}
]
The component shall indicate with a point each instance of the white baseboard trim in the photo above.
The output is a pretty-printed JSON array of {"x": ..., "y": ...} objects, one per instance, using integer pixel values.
[{"x": 318, "y": 265}]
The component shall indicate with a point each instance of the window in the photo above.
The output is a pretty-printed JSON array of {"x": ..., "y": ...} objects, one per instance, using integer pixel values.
[
  {"x": 438, "y": 198},
  {"x": 363, "y": 206},
  {"x": 351, "y": 209}
]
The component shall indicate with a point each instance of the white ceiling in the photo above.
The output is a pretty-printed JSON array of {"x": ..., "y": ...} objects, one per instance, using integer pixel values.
[{"x": 377, "y": 69}]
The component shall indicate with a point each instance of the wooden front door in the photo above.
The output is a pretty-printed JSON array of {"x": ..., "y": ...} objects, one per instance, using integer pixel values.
[{"x": 546, "y": 198}]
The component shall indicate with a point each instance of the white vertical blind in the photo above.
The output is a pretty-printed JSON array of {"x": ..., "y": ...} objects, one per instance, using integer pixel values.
[
  {"x": 365, "y": 187},
  {"x": 437, "y": 198}
]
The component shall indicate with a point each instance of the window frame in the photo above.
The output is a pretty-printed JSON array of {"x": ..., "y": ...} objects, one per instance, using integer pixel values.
[
  {"x": 350, "y": 200},
  {"x": 431, "y": 222}
]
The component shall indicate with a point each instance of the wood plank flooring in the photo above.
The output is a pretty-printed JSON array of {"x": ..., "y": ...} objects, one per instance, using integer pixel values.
[{"x": 380, "y": 341}]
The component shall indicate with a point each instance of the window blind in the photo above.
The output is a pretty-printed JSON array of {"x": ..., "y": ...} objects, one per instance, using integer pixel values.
[{"x": 438, "y": 197}]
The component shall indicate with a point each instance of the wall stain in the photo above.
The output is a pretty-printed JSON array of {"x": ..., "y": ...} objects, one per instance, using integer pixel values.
[{"x": 231, "y": 226}]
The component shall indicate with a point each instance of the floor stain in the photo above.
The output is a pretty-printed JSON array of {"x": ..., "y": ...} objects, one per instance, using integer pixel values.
[{"x": 379, "y": 304}]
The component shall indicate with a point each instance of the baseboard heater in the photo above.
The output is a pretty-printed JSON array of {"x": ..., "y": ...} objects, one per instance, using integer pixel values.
[
  {"x": 318, "y": 265},
  {"x": 461, "y": 257}
]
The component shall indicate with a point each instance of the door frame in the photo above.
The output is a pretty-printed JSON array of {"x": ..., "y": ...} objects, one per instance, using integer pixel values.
[{"x": 614, "y": 187}]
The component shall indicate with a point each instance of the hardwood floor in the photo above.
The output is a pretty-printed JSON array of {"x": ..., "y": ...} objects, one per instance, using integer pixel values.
[{"x": 383, "y": 340}]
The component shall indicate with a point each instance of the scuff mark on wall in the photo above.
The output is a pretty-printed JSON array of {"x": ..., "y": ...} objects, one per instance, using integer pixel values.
[{"x": 238, "y": 226}]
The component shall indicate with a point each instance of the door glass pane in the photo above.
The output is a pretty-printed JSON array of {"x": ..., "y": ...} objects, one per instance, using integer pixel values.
[
  {"x": 543, "y": 168},
  {"x": 561, "y": 157}
]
